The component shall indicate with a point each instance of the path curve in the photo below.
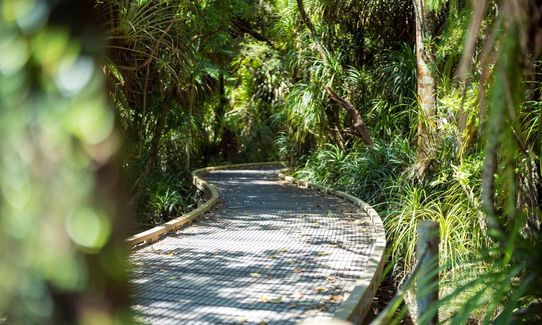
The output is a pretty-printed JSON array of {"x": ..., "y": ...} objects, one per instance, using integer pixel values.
[{"x": 270, "y": 252}]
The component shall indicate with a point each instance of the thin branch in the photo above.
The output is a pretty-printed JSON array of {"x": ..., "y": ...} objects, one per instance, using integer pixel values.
[
  {"x": 312, "y": 30},
  {"x": 245, "y": 27},
  {"x": 358, "y": 125},
  {"x": 480, "y": 9},
  {"x": 357, "y": 121}
]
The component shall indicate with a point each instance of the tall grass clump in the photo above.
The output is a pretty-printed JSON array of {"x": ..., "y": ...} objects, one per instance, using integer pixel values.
[
  {"x": 362, "y": 171},
  {"x": 383, "y": 176}
]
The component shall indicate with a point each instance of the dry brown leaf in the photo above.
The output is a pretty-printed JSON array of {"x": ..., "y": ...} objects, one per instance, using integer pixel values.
[
  {"x": 336, "y": 298},
  {"x": 320, "y": 289}
]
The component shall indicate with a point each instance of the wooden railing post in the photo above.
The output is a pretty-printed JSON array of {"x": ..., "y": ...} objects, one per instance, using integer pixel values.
[{"x": 427, "y": 285}]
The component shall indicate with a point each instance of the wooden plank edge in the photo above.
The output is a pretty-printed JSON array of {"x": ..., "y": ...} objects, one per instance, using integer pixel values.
[
  {"x": 154, "y": 234},
  {"x": 355, "y": 307}
]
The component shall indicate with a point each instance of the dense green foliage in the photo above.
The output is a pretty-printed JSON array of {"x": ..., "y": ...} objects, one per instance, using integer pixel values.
[
  {"x": 251, "y": 83},
  {"x": 484, "y": 185},
  {"x": 194, "y": 83},
  {"x": 188, "y": 90}
]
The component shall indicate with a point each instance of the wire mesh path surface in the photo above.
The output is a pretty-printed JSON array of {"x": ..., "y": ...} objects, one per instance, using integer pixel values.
[{"x": 269, "y": 253}]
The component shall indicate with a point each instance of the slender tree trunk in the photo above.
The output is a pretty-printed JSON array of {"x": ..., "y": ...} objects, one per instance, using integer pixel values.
[
  {"x": 191, "y": 104},
  {"x": 312, "y": 31},
  {"x": 357, "y": 122},
  {"x": 333, "y": 116},
  {"x": 425, "y": 89},
  {"x": 467, "y": 129},
  {"x": 154, "y": 150},
  {"x": 221, "y": 109}
]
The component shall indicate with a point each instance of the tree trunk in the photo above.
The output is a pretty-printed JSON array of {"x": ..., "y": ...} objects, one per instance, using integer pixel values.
[
  {"x": 358, "y": 125},
  {"x": 221, "y": 109},
  {"x": 154, "y": 150},
  {"x": 425, "y": 90},
  {"x": 312, "y": 31},
  {"x": 191, "y": 103},
  {"x": 357, "y": 122},
  {"x": 335, "y": 126}
]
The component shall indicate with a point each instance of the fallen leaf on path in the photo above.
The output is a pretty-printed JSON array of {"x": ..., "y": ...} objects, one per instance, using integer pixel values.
[
  {"x": 320, "y": 289},
  {"x": 331, "y": 278},
  {"x": 335, "y": 298},
  {"x": 264, "y": 298},
  {"x": 276, "y": 300},
  {"x": 323, "y": 253}
]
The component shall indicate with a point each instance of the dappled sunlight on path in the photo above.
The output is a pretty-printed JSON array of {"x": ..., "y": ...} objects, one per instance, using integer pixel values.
[{"x": 270, "y": 252}]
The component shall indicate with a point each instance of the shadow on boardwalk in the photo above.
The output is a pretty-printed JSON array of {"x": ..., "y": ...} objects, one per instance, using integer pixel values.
[{"x": 271, "y": 252}]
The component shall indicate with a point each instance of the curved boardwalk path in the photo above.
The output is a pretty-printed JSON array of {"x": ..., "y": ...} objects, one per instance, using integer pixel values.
[{"x": 270, "y": 253}]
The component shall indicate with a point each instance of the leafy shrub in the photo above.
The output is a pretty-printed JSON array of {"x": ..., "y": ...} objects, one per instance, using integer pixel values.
[{"x": 383, "y": 176}]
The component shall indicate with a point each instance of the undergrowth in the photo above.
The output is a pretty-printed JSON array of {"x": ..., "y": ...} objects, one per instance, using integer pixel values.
[{"x": 384, "y": 177}]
